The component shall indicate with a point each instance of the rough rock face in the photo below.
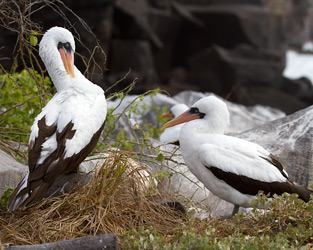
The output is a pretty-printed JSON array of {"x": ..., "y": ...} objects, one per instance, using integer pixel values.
[
  {"x": 101, "y": 241},
  {"x": 220, "y": 46},
  {"x": 11, "y": 172}
]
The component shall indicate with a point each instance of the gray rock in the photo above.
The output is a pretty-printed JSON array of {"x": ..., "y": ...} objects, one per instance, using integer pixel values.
[
  {"x": 290, "y": 139},
  {"x": 98, "y": 242},
  {"x": 138, "y": 54},
  {"x": 205, "y": 2},
  {"x": 65, "y": 183},
  {"x": 167, "y": 27},
  {"x": 11, "y": 172}
]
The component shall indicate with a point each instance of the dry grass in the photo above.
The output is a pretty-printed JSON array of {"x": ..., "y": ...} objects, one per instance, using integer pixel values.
[{"x": 112, "y": 202}]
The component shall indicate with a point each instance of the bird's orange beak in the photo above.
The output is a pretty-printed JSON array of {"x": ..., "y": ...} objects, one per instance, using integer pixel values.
[
  {"x": 68, "y": 61},
  {"x": 167, "y": 115},
  {"x": 184, "y": 117}
]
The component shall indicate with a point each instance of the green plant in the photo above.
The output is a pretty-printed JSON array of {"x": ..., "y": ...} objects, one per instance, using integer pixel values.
[
  {"x": 286, "y": 223},
  {"x": 6, "y": 196},
  {"x": 20, "y": 103}
]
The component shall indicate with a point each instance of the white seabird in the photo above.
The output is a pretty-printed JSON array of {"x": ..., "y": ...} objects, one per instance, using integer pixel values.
[
  {"x": 68, "y": 127},
  {"x": 231, "y": 168},
  {"x": 172, "y": 134}
]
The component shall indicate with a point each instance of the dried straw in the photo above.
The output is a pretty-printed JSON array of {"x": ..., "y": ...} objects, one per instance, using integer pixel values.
[{"x": 116, "y": 199}]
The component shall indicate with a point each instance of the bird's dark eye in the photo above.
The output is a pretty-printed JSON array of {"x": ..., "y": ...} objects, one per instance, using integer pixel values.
[
  {"x": 194, "y": 110},
  {"x": 60, "y": 45},
  {"x": 67, "y": 46}
]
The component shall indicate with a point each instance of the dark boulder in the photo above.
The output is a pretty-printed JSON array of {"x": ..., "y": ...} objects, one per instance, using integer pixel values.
[{"x": 98, "y": 242}]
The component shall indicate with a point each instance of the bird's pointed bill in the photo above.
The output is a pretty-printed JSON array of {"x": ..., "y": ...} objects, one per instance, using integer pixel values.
[
  {"x": 184, "y": 117},
  {"x": 68, "y": 61},
  {"x": 167, "y": 115}
]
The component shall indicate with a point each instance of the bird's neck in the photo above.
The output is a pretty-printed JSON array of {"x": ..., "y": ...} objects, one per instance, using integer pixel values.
[
  {"x": 60, "y": 78},
  {"x": 63, "y": 81},
  {"x": 201, "y": 126}
]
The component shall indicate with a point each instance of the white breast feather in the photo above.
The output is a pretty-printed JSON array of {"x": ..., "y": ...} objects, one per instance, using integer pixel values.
[
  {"x": 86, "y": 122},
  {"x": 65, "y": 107}
]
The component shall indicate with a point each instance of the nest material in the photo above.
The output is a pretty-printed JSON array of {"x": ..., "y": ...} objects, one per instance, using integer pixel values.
[{"x": 117, "y": 198}]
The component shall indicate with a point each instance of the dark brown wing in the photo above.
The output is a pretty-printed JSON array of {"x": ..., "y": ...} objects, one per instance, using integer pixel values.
[
  {"x": 41, "y": 176},
  {"x": 38, "y": 171},
  {"x": 276, "y": 164},
  {"x": 34, "y": 148},
  {"x": 246, "y": 185}
]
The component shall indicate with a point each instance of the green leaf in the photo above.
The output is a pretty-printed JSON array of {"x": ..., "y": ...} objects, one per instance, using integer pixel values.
[
  {"x": 33, "y": 40},
  {"x": 160, "y": 157},
  {"x": 6, "y": 196}
]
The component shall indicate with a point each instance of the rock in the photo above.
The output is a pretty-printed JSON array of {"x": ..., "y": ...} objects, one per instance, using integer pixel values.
[
  {"x": 250, "y": 95},
  {"x": 252, "y": 76},
  {"x": 301, "y": 88},
  {"x": 174, "y": 205},
  {"x": 92, "y": 162},
  {"x": 65, "y": 183},
  {"x": 205, "y": 2},
  {"x": 296, "y": 17},
  {"x": 228, "y": 26},
  {"x": 136, "y": 22},
  {"x": 290, "y": 139},
  {"x": 11, "y": 172},
  {"x": 166, "y": 27},
  {"x": 234, "y": 24},
  {"x": 134, "y": 54},
  {"x": 98, "y": 242}
]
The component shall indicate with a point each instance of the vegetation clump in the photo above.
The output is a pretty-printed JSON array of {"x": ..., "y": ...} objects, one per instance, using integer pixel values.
[
  {"x": 285, "y": 223},
  {"x": 116, "y": 199}
]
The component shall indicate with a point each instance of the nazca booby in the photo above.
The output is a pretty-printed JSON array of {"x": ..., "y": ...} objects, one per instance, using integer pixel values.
[
  {"x": 231, "y": 168},
  {"x": 68, "y": 127},
  {"x": 172, "y": 134}
]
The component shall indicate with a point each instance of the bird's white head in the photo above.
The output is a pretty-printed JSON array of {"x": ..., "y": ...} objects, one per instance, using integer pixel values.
[
  {"x": 208, "y": 115},
  {"x": 56, "y": 50}
]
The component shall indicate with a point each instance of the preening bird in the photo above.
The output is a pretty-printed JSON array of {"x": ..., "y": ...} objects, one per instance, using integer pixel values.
[
  {"x": 68, "y": 127},
  {"x": 172, "y": 134},
  {"x": 231, "y": 168}
]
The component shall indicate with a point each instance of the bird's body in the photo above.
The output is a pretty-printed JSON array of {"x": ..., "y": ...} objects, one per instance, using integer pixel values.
[
  {"x": 172, "y": 134},
  {"x": 68, "y": 127},
  {"x": 231, "y": 168}
]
